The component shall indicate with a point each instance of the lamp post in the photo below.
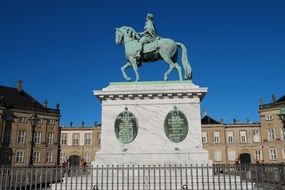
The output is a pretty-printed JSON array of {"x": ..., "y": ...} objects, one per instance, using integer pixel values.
[
  {"x": 282, "y": 115},
  {"x": 33, "y": 121}
]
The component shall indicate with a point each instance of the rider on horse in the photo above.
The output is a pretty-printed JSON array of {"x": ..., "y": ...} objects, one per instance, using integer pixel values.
[{"x": 148, "y": 35}]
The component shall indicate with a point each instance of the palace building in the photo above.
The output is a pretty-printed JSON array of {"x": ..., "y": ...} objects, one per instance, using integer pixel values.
[
  {"x": 247, "y": 142},
  {"x": 79, "y": 144},
  {"x": 17, "y": 147}
]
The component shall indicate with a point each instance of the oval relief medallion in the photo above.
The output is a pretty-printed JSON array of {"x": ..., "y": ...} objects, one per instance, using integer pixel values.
[
  {"x": 176, "y": 125},
  {"x": 126, "y": 127}
]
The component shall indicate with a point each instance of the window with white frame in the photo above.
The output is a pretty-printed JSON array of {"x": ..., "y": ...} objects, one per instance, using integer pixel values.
[
  {"x": 231, "y": 155},
  {"x": 282, "y": 134},
  {"x": 49, "y": 156},
  {"x": 75, "y": 139},
  {"x": 23, "y": 119},
  {"x": 19, "y": 156},
  {"x": 63, "y": 139},
  {"x": 218, "y": 156},
  {"x": 273, "y": 154},
  {"x": 204, "y": 137},
  {"x": 49, "y": 138},
  {"x": 269, "y": 117},
  {"x": 41, "y": 121},
  {"x": 217, "y": 138},
  {"x": 256, "y": 136},
  {"x": 37, "y": 137},
  {"x": 271, "y": 134},
  {"x": 243, "y": 136},
  {"x": 230, "y": 136},
  {"x": 37, "y": 156},
  {"x": 87, "y": 157},
  {"x": 87, "y": 138},
  {"x": 21, "y": 136},
  {"x": 62, "y": 157},
  {"x": 258, "y": 154}
]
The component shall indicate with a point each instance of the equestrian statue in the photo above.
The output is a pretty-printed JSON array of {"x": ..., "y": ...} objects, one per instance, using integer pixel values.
[{"x": 147, "y": 46}]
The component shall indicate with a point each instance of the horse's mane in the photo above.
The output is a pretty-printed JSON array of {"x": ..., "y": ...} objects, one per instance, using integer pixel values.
[{"x": 130, "y": 31}]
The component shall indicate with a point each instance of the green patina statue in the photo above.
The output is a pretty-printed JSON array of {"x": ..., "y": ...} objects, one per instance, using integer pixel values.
[{"x": 147, "y": 46}]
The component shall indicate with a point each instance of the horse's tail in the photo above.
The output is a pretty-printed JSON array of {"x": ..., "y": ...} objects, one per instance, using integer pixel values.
[{"x": 185, "y": 62}]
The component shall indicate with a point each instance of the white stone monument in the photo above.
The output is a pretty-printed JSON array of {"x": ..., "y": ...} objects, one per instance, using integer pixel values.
[{"x": 151, "y": 123}]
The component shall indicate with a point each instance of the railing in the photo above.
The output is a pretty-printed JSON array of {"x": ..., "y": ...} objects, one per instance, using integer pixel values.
[{"x": 144, "y": 177}]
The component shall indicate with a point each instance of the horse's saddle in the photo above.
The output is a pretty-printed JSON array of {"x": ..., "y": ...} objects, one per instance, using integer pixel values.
[{"x": 150, "y": 47}]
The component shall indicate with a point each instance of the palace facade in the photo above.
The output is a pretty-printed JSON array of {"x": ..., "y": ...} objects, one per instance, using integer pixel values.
[
  {"x": 79, "y": 144},
  {"x": 247, "y": 142},
  {"x": 16, "y": 108}
]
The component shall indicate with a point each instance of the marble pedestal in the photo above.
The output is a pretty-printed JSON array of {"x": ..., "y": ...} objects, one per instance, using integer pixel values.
[{"x": 150, "y": 102}]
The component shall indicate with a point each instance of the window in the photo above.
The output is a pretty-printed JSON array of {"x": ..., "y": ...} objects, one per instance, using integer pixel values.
[
  {"x": 231, "y": 155},
  {"x": 218, "y": 156},
  {"x": 41, "y": 121},
  {"x": 243, "y": 136},
  {"x": 87, "y": 138},
  {"x": 19, "y": 156},
  {"x": 21, "y": 137},
  {"x": 49, "y": 138},
  {"x": 23, "y": 119},
  {"x": 63, "y": 139},
  {"x": 50, "y": 122},
  {"x": 7, "y": 136},
  {"x": 62, "y": 157},
  {"x": 271, "y": 134},
  {"x": 75, "y": 139},
  {"x": 5, "y": 157},
  {"x": 269, "y": 117},
  {"x": 9, "y": 117},
  {"x": 204, "y": 137},
  {"x": 217, "y": 137},
  {"x": 273, "y": 154},
  {"x": 36, "y": 156},
  {"x": 99, "y": 139},
  {"x": 282, "y": 134},
  {"x": 256, "y": 136},
  {"x": 284, "y": 153},
  {"x": 87, "y": 157},
  {"x": 230, "y": 136},
  {"x": 37, "y": 137},
  {"x": 49, "y": 157},
  {"x": 258, "y": 155}
]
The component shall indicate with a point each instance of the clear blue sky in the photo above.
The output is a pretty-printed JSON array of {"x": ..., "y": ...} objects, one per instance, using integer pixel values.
[{"x": 63, "y": 50}]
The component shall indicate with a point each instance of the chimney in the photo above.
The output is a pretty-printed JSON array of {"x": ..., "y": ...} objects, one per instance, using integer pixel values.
[
  {"x": 273, "y": 98},
  {"x": 20, "y": 86},
  {"x": 45, "y": 103},
  {"x": 205, "y": 112}
]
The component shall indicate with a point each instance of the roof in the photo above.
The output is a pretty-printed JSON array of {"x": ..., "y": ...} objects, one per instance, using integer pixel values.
[
  {"x": 282, "y": 99},
  {"x": 13, "y": 99},
  {"x": 208, "y": 120}
]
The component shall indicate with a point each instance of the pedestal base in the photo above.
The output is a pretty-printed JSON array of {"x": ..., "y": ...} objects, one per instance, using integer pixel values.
[{"x": 149, "y": 104}]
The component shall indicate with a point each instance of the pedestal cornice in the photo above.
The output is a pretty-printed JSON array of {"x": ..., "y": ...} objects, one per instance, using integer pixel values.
[{"x": 150, "y": 90}]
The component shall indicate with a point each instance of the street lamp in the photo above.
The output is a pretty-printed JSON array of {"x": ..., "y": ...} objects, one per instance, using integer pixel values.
[
  {"x": 33, "y": 121},
  {"x": 282, "y": 115}
]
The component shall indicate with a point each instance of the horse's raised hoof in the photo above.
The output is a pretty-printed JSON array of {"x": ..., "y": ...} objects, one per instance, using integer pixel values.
[{"x": 128, "y": 78}]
